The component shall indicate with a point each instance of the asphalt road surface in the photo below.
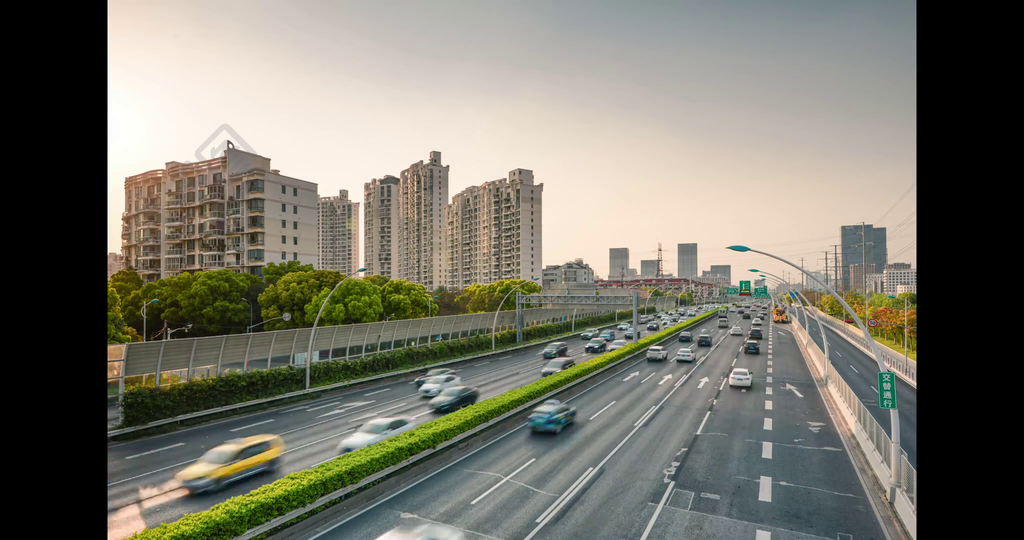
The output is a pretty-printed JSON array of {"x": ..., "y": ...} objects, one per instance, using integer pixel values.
[
  {"x": 659, "y": 451},
  {"x": 860, "y": 372},
  {"x": 142, "y": 491}
]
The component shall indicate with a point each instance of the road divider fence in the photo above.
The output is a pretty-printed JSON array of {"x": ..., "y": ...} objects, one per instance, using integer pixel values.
[{"x": 904, "y": 367}]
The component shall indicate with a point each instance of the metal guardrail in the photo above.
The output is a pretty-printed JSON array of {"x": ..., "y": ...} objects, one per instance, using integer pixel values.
[
  {"x": 895, "y": 360},
  {"x": 880, "y": 443}
]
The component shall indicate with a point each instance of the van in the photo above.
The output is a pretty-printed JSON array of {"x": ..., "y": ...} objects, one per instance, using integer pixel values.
[{"x": 723, "y": 323}]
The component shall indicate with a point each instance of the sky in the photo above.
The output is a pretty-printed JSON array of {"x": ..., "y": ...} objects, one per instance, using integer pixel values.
[{"x": 765, "y": 124}]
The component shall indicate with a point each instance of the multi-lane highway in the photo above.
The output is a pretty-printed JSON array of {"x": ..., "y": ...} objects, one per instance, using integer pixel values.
[
  {"x": 659, "y": 451},
  {"x": 860, "y": 372},
  {"x": 142, "y": 491}
]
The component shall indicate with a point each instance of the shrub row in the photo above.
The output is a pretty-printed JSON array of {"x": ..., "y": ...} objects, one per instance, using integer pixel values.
[
  {"x": 233, "y": 517},
  {"x": 142, "y": 405}
]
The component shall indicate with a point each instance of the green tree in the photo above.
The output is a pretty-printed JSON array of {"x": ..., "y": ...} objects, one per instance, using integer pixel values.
[
  {"x": 404, "y": 300},
  {"x": 377, "y": 280},
  {"x": 211, "y": 301},
  {"x": 686, "y": 298},
  {"x": 125, "y": 282},
  {"x": 911, "y": 298},
  {"x": 483, "y": 298},
  {"x": 655, "y": 292},
  {"x": 116, "y": 327},
  {"x": 447, "y": 304},
  {"x": 131, "y": 308},
  {"x": 273, "y": 272},
  {"x": 356, "y": 301},
  {"x": 292, "y": 293}
]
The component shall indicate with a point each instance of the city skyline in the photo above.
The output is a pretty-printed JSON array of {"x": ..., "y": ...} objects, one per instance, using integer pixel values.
[{"x": 811, "y": 134}]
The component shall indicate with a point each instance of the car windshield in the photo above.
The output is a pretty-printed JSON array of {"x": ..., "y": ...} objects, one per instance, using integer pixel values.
[
  {"x": 544, "y": 409},
  {"x": 619, "y": 342},
  {"x": 739, "y": 372},
  {"x": 218, "y": 456},
  {"x": 375, "y": 428},
  {"x": 435, "y": 372},
  {"x": 436, "y": 380},
  {"x": 596, "y": 341},
  {"x": 452, "y": 392},
  {"x": 554, "y": 364}
]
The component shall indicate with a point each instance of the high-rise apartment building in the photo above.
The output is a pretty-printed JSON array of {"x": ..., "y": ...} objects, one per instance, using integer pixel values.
[
  {"x": 493, "y": 232},
  {"x": 686, "y": 259},
  {"x": 380, "y": 209},
  {"x": 226, "y": 212},
  {"x": 724, "y": 270},
  {"x": 113, "y": 264},
  {"x": 338, "y": 240},
  {"x": 422, "y": 194},
  {"x": 649, "y": 268},
  {"x": 618, "y": 263},
  {"x": 861, "y": 244}
]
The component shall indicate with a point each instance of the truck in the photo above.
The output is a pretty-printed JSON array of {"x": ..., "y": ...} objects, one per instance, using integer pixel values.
[{"x": 779, "y": 315}]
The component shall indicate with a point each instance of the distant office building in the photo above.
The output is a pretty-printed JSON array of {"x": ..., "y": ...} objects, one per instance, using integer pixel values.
[
  {"x": 618, "y": 263},
  {"x": 894, "y": 278},
  {"x": 906, "y": 288},
  {"x": 759, "y": 283},
  {"x": 631, "y": 273},
  {"x": 422, "y": 196},
  {"x": 820, "y": 276},
  {"x": 226, "y": 212},
  {"x": 649, "y": 269},
  {"x": 686, "y": 259},
  {"x": 575, "y": 272},
  {"x": 724, "y": 270},
  {"x": 897, "y": 266},
  {"x": 338, "y": 240},
  {"x": 862, "y": 245},
  {"x": 380, "y": 223},
  {"x": 493, "y": 232},
  {"x": 113, "y": 264},
  {"x": 876, "y": 283}
]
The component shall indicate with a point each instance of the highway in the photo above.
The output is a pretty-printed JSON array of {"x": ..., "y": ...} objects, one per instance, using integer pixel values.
[
  {"x": 659, "y": 451},
  {"x": 860, "y": 372},
  {"x": 142, "y": 491}
]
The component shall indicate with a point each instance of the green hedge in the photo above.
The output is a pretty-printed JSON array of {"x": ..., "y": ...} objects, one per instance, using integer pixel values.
[
  {"x": 142, "y": 405},
  {"x": 233, "y": 517}
]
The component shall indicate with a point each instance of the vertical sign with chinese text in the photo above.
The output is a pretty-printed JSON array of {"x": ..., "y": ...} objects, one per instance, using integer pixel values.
[{"x": 886, "y": 390}]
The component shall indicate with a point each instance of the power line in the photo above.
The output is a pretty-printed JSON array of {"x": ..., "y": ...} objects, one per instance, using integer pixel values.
[
  {"x": 902, "y": 223},
  {"x": 900, "y": 252},
  {"x": 879, "y": 220}
]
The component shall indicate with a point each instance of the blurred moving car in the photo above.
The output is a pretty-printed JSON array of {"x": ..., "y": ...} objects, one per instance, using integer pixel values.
[
  {"x": 704, "y": 340},
  {"x": 736, "y": 331},
  {"x": 685, "y": 355},
  {"x": 590, "y": 333},
  {"x": 656, "y": 352},
  {"x": 751, "y": 347},
  {"x": 374, "y": 432},
  {"x": 608, "y": 335},
  {"x": 617, "y": 344},
  {"x": 755, "y": 333},
  {"x": 630, "y": 333},
  {"x": 552, "y": 415},
  {"x": 740, "y": 377},
  {"x": 433, "y": 373},
  {"x": 685, "y": 336},
  {"x": 429, "y": 531},
  {"x": 232, "y": 461},
  {"x": 746, "y": 315},
  {"x": 555, "y": 366},
  {"x": 435, "y": 385},
  {"x": 454, "y": 398},
  {"x": 723, "y": 323},
  {"x": 756, "y": 322},
  {"x": 653, "y": 327},
  {"x": 556, "y": 349},
  {"x": 597, "y": 345},
  {"x": 623, "y": 326}
]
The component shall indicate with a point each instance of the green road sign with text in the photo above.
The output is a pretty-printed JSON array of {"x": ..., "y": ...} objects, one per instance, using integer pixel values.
[
  {"x": 734, "y": 291},
  {"x": 886, "y": 390},
  {"x": 761, "y": 292},
  {"x": 744, "y": 288}
]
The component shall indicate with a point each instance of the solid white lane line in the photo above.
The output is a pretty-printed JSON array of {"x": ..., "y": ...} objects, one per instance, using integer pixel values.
[
  {"x": 873, "y": 389},
  {"x": 324, "y": 406},
  {"x": 314, "y": 442},
  {"x": 644, "y": 417},
  {"x": 657, "y": 511},
  {"x": 723, "y": 383},
  {"x": 734, "y": 361},
  {"x": 855, "y": 369},
  {"x": 253, "y": 425},
  {"x": 648, "y": 377},
  {"x": 837, "y": 352},
  {"x": 767, "y": 405},
  {"x": 706, "y": 415},
  {"x": 151, "y": 472},
  {"x": 602, "y": 410},
  {"x": 377, "y": 392},
  {"x": 503, "y": 480},
  {"x": 481, "y": 364},
  {"x": 768, "y": 390},
  {"x": 765, "y": 491},
  {"x": 421, "y": 414},
  {"x": 155, "y": 451},
  {"x": 559, "y": 499},
  {"x": 767, "y": 424},
  {"x": 762, "y": 535},
  {"x": 295, "y": 409},
  {"x": 378, "y": 412},
  {"x": 766, "y": 450}
]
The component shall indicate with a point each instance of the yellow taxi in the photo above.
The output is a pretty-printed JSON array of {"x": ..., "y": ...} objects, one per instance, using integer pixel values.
[{"x": 231, "y": 461}]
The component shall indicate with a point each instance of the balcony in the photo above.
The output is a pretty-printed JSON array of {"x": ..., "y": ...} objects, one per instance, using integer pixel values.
[
  {"x": 233, "y": 248},
  {"x": 149, "y": 225},
  {"x": 149, "y": 255},
  {"x": 212, "y": 249},
  {"x": 174, "y": 220},
  {"x": 235, "y": 211},
  {"x": 150, "y": 240},
  {"x": 173, "y": 267},
  {"x": 257, "y": 226},
  {"x": 213, "y": 264},
  {"x": 236, "y": 230},
  {"x": 213, "y": 196},
  {"x": 255, "y": 259},
  {"x": 215, "y": 214},
  {"x": 149, "y": 270},
  {"x": 176, "y": 202},
  {"x": 255, "y": 210},
  {"x": 213, "y": 232},
  {"x": 233, "y": 264},
  {"x": 174, "y": 253}
]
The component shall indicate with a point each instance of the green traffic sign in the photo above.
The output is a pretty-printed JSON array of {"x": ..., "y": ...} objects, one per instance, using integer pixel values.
[
  {"x": 886, "y": 390},
  {"x": 744, "y": 288},
  {"x": 761, "y": 292},
  {"x": 734, "y": 291}
]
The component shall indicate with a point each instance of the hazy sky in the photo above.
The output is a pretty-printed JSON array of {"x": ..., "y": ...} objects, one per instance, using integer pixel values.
[{"x": 764, "y": 123}]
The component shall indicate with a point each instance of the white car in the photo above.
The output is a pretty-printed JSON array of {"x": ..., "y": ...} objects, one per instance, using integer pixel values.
[
  {"x": 429, "y": 531},
  {"x": 375, "y": 431},
  {"x": 740, "y": 377},
  {"x": 617, "y": 344},
  {"x": 435, "y": 385},
  {"x": 685, "y": 355},
  {"x": 756, "y": 322},
  {"x": 623, "y": 326},
  {"x": 656, "y": 352},
  {"x": 736, "y": 331}
]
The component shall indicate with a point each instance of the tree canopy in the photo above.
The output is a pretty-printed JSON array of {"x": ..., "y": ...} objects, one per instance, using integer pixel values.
[
  {"x": 483, "y": 298},
  {"x": 292, "y": 293},
  {"x": 117, "y": 330},
  {"x": 274, "y": 272},
  {"x": 377, "y": 280},
  {"x": 356, "y": 301},
  {"x": 404, "y": 300}
]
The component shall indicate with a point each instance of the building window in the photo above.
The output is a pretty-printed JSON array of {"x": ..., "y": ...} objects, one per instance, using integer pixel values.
[
  {"x": 284, "y": 190},
  {"x": 284, "y": 239},
  {"x": 284, "y": 223},
  {"x": 295, "y": 240},
  {"x": 295, "y": 209},
  {"x": 284, "y": 207},
  {"x": 295, "y": 191},
  {"x": 284, "y": 256},
  {"x": 295, "y": 225},
  {"x": 295, "y": 256}
]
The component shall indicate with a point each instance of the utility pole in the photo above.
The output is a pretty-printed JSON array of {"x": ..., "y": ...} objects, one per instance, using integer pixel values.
[
  {"x": 801, "y": 273},
  {"x": 659, "y": 261},
  {"x": 835, "y": 259},
  {"x": 864, "y": 263}
]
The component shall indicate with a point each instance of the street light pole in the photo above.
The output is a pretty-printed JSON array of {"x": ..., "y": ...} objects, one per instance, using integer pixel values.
[
  {"x": 894, "y": 418},
  {"x": 312, "y": 331},
  {"x": 250, "y": 314},
  {"x": 144, "y": 317},
  {"x": 495, "y": 325}
]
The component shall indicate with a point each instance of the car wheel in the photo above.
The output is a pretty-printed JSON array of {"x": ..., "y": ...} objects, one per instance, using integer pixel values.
[{"x": 274, "y": 465}]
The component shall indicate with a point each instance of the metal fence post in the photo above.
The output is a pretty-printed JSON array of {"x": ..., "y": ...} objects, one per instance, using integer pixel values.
[
  {"x": 158, "y": 360},
  {"x": 245, "y": 365},
  {"x": 191, "y": 356},
  {"x": 220, "y": 356}
]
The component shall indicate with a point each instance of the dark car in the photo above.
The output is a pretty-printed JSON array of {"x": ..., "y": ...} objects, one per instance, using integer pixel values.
[
  {"x": 552, "y": 416},
  {"x": 685, "y": 336},
  {"x": 653, "y": 327},
  {"x": 554, "y": 350},
  {"x": 597, "y": 345},
  {"x": 751, "y": 347},
  {"x": 746, "y": 315},
  {"x": 555, "y": 366},
  {"x": 629, "y": 334},
  {"x": 433, "y": 373},
  {"x": 755, "y": 333},
  {"x": 704, "y": 341},
  {"x": 454, "y": 398},
  {"x": 740, "y": 311}
]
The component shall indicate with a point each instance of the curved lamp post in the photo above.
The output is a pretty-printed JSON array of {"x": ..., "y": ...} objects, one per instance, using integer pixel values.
[
  {"x": 312, "y": 331},
  {"x": 284, "y": 316},
  {"x": 250, "y": 313},
  {"x": 495, "y": 325},
  {"x": 430, "y": 305},
  {"x": 894, "y": 418},
  {"x": 144, "y": 317}
]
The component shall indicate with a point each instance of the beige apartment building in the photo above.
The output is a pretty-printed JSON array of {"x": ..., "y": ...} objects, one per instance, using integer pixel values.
[
  {"x": 380, "y": 211},
  {"x": 338, "y": 234},
  {"x": 113, "y": 264},
  {"x": 231, "y": 212},
  {"x": 422, "y": 196},
  {"x": 493, "y": 232}
]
